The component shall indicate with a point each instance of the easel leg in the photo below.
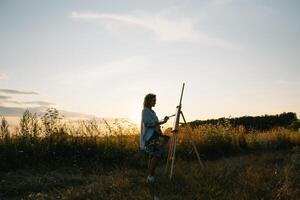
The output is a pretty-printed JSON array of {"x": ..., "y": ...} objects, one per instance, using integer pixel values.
[
  {"x": 170, "y": 151},
  {"x": 173, "y": 154},
  {"x": 191, "y": 140}
]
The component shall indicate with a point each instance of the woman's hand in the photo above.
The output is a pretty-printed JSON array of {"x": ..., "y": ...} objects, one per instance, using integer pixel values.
[{"x": 166, "y": 119}]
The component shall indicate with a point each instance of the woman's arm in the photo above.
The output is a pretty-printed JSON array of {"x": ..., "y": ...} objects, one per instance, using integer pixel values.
[{"x": 164, "y": 120}]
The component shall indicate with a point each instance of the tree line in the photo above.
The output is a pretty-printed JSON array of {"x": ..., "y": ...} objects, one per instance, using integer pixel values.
[{"x": 256, "y": 123}]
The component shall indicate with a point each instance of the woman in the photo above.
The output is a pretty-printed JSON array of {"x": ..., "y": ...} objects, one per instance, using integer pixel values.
[{"x": 151, "y": 135}]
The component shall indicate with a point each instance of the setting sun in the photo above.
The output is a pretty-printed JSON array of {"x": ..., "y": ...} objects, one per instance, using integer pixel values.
[{"x": 136, "y": 117}]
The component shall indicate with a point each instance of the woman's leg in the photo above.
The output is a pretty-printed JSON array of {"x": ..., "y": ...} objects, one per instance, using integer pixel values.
[
  {"x": 153, "y": 161},
  {"x": 159, "y": 150}
]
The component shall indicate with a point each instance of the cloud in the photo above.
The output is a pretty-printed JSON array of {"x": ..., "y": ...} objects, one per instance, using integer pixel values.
[
  {"x": 165, "y": 25},
  {"x": 4, "y": 97},
  {"x": 12, "y": 102},
  {"x": 8, "y": 91},
  {"x": 11, "y": 111},
  {"x": 40, "y": 103},
  {"x": 3, "y": 76},
  {"x": 18, "y": 112},
  {"x": 7, "y": 100}
]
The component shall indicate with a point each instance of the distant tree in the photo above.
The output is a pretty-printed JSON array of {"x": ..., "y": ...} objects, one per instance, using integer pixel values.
[
  {"x": 295, "y": 125},
  {"x": 257, "y": 123}
]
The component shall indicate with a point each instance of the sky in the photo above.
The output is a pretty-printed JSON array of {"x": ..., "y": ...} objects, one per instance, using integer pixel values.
[{"x": 100, "y": 58}]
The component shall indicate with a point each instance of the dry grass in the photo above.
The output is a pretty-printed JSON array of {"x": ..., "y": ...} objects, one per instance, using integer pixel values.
[
  {"x": 46, "y": 158},
  {"x": 50, "y": 141},
  {"x": 256, "y": 176}
]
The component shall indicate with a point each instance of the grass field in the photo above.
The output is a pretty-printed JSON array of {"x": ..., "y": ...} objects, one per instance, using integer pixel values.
[
  {"x": 268, "y": 175},
  {"x": 49, "y": 159}
]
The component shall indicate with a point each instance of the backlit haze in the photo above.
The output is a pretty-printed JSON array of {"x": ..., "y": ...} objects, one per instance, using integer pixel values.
[{"x": 100, "y": 58}]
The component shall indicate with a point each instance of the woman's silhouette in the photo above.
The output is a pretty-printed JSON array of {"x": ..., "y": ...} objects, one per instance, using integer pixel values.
[{"x": 151, "y": 134}]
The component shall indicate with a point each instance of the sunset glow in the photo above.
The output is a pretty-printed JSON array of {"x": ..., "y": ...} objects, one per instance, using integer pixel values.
[{"x": 97, "y": 59}]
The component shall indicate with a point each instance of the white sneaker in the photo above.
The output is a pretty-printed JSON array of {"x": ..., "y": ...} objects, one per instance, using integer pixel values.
[
  {"x": 156, "y": 197},
  {"x": 150, "y": 179}
]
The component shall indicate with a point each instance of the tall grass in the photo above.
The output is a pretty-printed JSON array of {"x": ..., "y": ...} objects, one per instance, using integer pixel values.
[
  {"x": 49, "y": 140},
  {"x": 272, "y": 175},
  {"x": 222, "y": 140}
]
